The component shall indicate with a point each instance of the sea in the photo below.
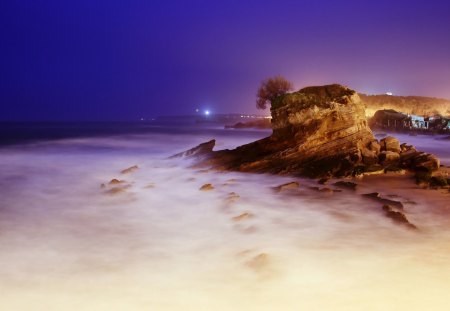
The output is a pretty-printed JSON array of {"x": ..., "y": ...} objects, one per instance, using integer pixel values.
[{"x": 78, "y": 234}]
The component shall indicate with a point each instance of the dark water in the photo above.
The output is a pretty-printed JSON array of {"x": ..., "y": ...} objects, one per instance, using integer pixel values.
[{"x": 28, "y": 132}]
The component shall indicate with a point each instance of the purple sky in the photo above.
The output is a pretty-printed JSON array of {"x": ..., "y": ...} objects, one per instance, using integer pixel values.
[{"x": 122, "y": 60}]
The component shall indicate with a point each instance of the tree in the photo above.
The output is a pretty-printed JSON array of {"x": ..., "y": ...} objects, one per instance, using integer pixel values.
[{"x": 270, "y": 89}]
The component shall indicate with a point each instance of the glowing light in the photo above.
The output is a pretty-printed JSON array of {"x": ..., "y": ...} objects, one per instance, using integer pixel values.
[
  {"x": 207, "y": 112},
  {"x": 389, "y": 93}
]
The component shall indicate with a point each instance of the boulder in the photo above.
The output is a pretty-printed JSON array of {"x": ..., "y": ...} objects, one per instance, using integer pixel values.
[
  {"x": 389, "y": 157},
  {"x": 369, "y": 157},
  {"x": 425, "y": 162},
  {"x": 375, "y": 146},
  {"x": 390, "y": 143},
  {"x": 375, "y": 196},
  {"x": 346, "y": 184}
]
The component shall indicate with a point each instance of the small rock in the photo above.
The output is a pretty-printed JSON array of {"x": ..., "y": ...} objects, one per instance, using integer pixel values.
[
  {"x": 405, "y": 147},
  {"x": 130, "y": 169},
  {"x": 287, "y": 186},
  {"x": 232, "y": 197},
  {"x": 243, "y": 216},
  {"x": 389, "y": 157},
  {"x": 397, "y": 216},
  {"x": 426, "y": 162},
  {"x": 369, "y": 157},
  {"x": 375, "y": 196},
  {"x": 324, "y": 189},
  {"x": 408, "y": 155},
  {"x": 438, "y": 181},
  {"x": 116, "y": 190},
  {"x": 102, "y": 186},
  {"x": 346, "y": 184},
  {"x": 323, "y": 181},
  {"x": 206, "y": 187},
  {"x": 259, "y": 262},
  {"x": 423, "y": 178},
  {"x": 116, "y": 181}
]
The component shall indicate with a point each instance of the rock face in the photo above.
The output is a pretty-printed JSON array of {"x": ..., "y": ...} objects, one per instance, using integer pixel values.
[{"x": 317, "y": 132}]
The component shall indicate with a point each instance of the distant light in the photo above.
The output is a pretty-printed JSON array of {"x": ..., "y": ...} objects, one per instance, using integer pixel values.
[
  {"x": 206, "y": 112},
  {"x": 196, "y": 110},
  {"x": 389, "y": 93}
]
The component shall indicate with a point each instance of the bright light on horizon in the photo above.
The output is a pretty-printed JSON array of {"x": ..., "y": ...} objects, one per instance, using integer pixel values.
[{"x": 207, "y": 112}]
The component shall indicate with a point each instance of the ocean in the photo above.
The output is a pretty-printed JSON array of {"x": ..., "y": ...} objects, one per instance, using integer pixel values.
[{"x": 70, "y": 240}]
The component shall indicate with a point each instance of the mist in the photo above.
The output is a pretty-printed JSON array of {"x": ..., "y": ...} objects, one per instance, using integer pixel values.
[{"x": 69, "y": 243}]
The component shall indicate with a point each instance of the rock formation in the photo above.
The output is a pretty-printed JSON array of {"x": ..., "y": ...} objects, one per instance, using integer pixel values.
[{"x": 318, "y": 131}]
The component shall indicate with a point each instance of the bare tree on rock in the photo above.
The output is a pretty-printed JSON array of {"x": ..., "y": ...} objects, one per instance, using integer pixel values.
[{"x": 270, "y": 89}]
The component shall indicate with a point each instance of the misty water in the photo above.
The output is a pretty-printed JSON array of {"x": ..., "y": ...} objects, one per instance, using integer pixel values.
[{"x": 66, "y": 243}]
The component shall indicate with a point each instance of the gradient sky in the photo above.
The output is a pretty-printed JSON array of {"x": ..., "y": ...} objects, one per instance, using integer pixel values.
[{"x": 123, "y": 60}]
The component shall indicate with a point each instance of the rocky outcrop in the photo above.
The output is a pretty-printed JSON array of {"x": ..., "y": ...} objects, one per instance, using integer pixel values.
[
  {"x": 200, "y": 150},
  {"x": 317, "y": 132}
]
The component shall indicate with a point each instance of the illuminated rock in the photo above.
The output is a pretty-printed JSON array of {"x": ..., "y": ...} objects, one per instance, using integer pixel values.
[
  {"x": 390, "y": 144},
  {"x": 318, "y": 131}
]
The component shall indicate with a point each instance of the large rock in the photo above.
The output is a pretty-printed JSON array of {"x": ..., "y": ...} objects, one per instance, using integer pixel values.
[{"x": 318, "y": 131}]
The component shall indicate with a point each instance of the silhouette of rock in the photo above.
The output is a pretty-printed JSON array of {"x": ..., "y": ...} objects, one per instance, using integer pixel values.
[{"x": 202, "y": 149}]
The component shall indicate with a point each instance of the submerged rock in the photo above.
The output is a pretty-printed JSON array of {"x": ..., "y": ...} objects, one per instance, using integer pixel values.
[
  {"x": 116, "y": 181},
  {"x": 375, "y": 196},
  {"x": 243, "y": 216},
  {"x": 130, "y": 169},
  {"x": 206, "y": 187},
  {"x": 287, "y": 186},
  {"x": 397, "y": 216},
  {"x": 258, "y": 262},
  {"x": 346, "y": 184}
]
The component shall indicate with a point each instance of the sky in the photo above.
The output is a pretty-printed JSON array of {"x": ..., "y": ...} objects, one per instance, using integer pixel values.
[{"x": 126, "y": 60}]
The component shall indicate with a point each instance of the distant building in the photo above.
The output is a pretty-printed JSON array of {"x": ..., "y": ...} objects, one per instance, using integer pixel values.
[
  {"x": 418, "y": 122},
  {"x": 392, "y": 119}
]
